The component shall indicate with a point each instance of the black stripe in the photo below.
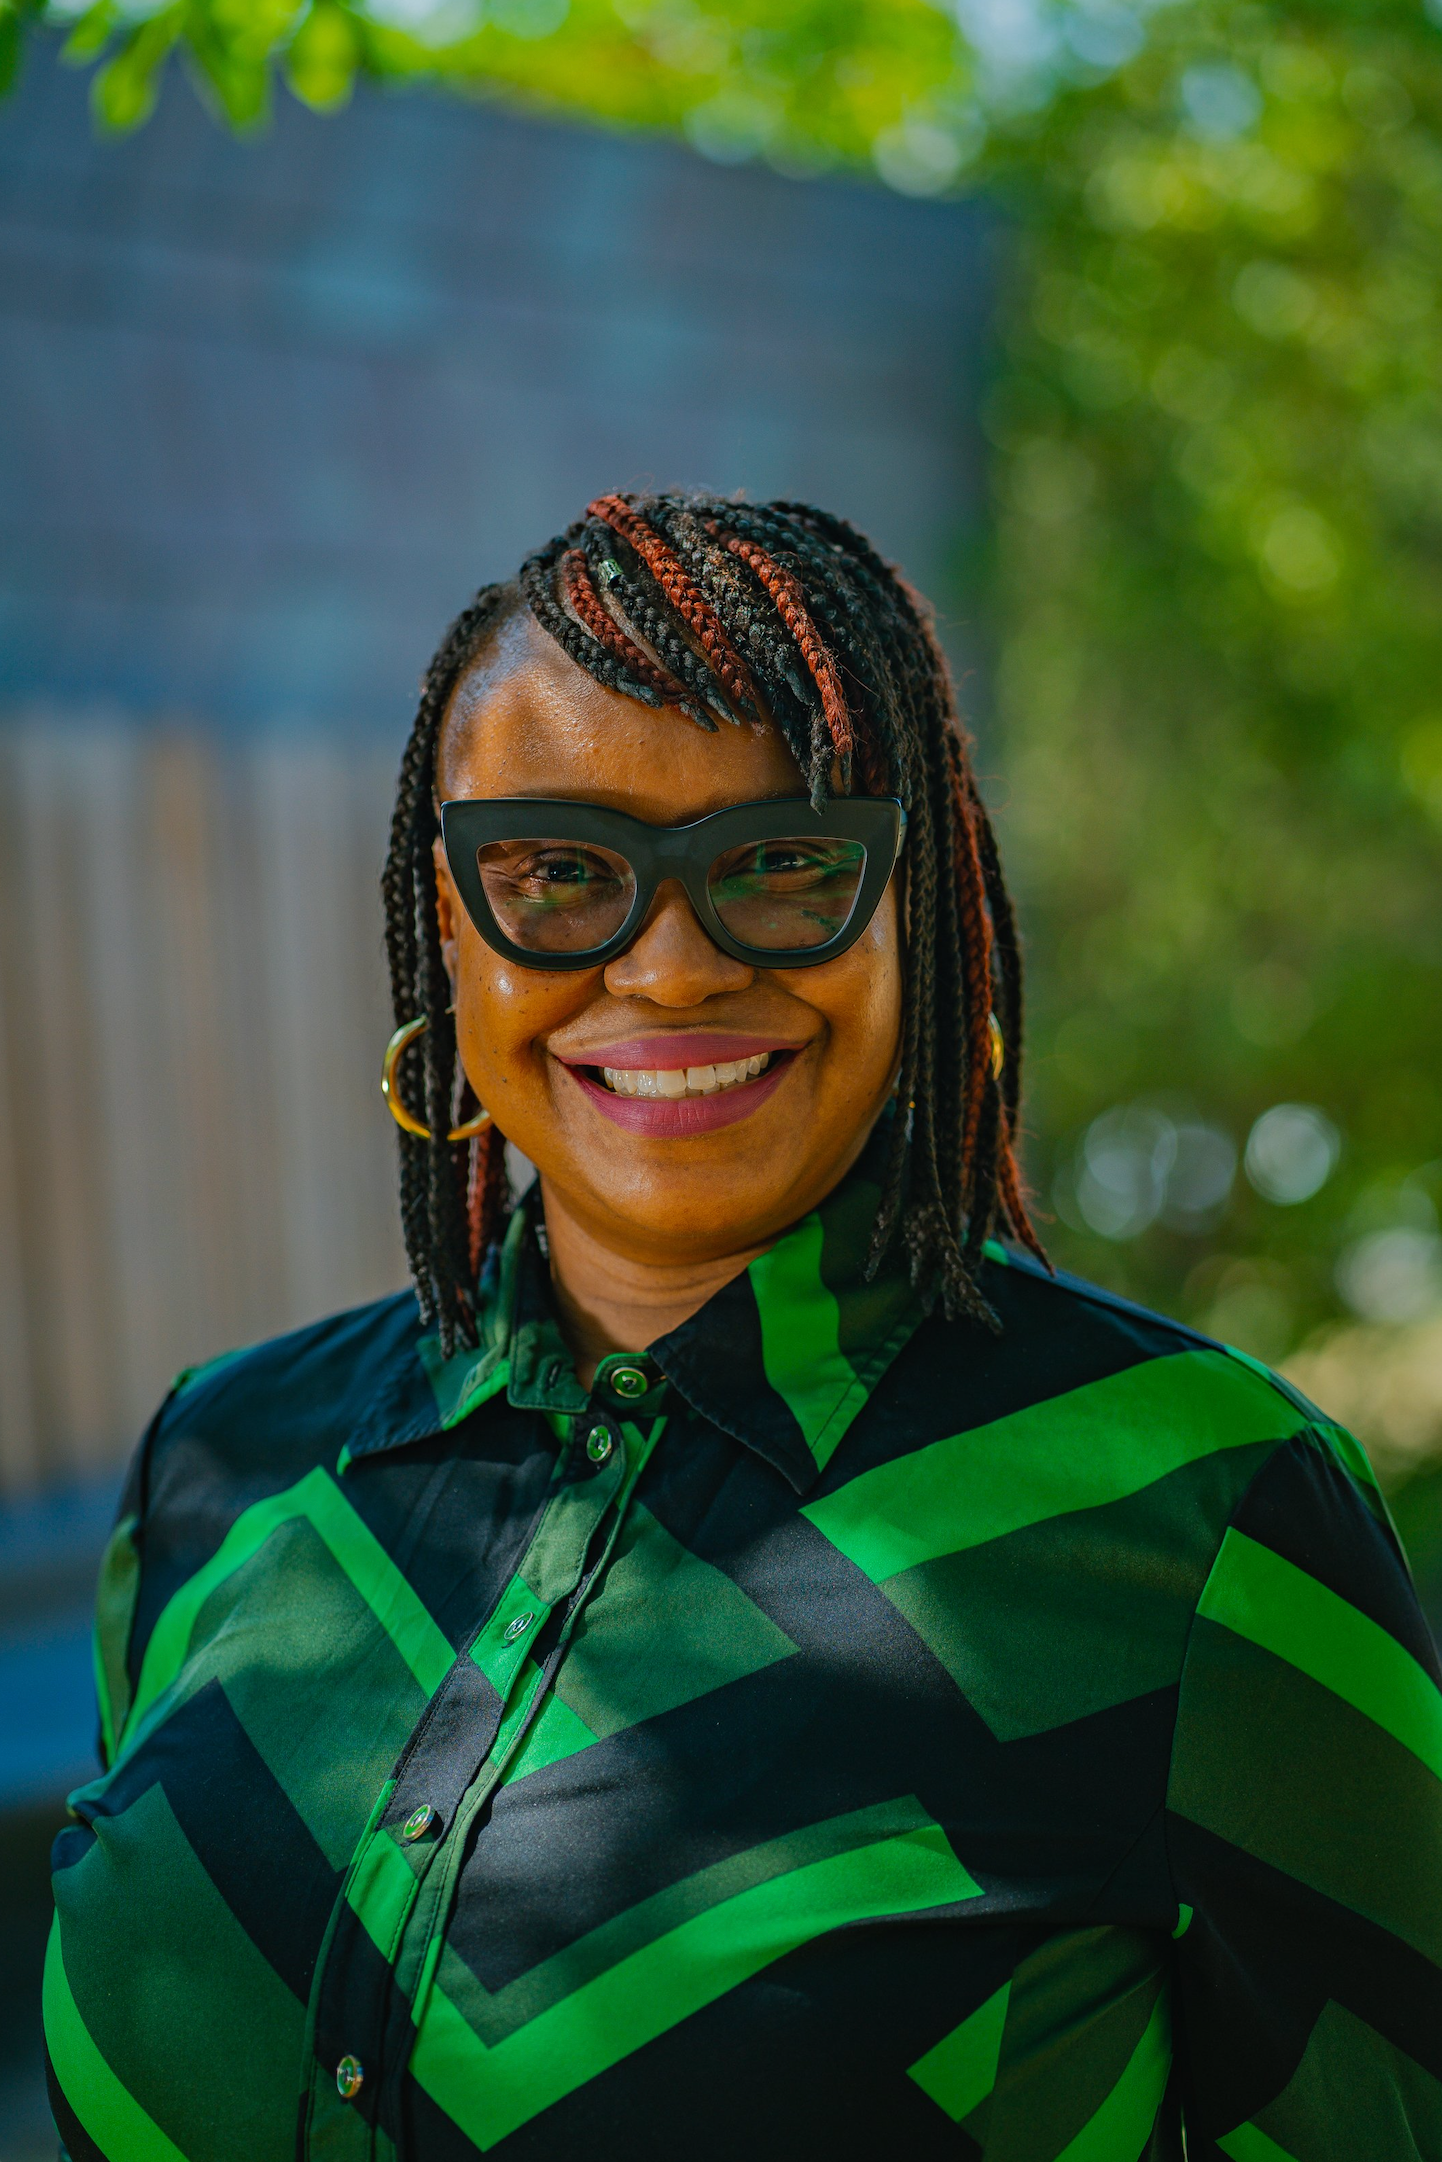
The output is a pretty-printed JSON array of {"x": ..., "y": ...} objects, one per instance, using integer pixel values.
[
  {"x": 245, "y": 1830},
  {"x": 1305, "y": 1506},
  {"x": 1262, "y": 1937},
  {"x": 78, "y": 2146}
]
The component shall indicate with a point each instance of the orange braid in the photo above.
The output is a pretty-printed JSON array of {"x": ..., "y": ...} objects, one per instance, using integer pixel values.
[
  {"x": 684, "y": 596},
  {"x": 790, "y": 601},
  {"x": 485, "y": 1193},
  {"x": 1008, "y": 1180},
  {"x": 583, "y": 597}
]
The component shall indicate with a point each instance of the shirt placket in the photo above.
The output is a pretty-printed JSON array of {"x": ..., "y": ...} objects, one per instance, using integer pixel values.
[{"x": 386, "y": 1932}]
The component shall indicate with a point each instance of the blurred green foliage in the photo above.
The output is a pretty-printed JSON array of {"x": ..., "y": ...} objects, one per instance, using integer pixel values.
[
  {"x": 1213, "y": 584},
  {"x": 1218, "y": 582}
]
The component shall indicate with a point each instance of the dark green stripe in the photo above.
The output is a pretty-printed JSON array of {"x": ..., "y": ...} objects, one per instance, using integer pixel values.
[{"x": 1282, "y": 1767}]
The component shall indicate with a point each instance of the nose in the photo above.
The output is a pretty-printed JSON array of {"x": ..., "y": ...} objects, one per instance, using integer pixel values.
[{"x": 671, "y": 961}]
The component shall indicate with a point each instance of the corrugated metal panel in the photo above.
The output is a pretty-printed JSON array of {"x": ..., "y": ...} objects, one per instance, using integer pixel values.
[{"x": 193, "y": 1148}]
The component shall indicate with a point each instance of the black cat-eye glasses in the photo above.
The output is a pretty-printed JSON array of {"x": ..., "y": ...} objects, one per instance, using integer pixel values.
[{"x": 568, "y": 885}]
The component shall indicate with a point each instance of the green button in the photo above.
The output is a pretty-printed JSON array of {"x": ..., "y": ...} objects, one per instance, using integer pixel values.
[
  {"x": 628, "y": 1381},
  {"x": 519, "y": 1627},
  {"x": 349, "y": 2078},
  {"x": 599, "y": 1445},
  {"x": 419, "y": 1822}
]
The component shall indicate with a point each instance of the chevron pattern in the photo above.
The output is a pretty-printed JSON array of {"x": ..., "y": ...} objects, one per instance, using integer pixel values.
[{"x": 902, "y": 1741}]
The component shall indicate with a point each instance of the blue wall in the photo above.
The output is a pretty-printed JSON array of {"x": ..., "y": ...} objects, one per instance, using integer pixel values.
[{"x": 273, "y": 409}]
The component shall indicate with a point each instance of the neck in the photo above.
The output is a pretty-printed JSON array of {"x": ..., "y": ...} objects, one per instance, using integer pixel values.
[{"x": 613, "y": 1301}]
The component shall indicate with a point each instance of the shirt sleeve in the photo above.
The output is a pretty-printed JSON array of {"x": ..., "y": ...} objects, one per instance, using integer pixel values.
[
  {"x": 117, "y": 1594},
  {"x": 1305, "y": 1832}
]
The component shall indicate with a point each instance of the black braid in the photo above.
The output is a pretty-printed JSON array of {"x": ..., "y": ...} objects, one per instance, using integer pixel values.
[
  {"x": 434, "y": 1174},
  {"x": 537, "y": 583},
  {"x": 806, "y": 605}
]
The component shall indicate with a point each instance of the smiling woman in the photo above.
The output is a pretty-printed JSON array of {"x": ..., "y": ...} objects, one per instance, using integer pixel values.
[
  {"x": 580, "y": 681},
  {"x": 744, "y": 1661}
]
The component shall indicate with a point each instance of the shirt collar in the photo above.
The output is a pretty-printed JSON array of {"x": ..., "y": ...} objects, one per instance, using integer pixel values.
[
  {"x": 787, "y": 1354},
  {"x": 784, "y": 1357}
]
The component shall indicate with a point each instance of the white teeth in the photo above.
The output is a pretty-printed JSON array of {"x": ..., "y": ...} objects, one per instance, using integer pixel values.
[{"x": 673, "y": 1081}]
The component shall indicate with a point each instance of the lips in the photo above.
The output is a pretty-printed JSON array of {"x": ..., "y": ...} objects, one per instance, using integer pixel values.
[
  {"x": 676, "y": 1051},
  {"x": 671, "y": 1117}
]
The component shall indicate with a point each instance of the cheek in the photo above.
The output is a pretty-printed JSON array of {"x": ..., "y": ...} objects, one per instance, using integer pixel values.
[
  {"x": 860, "y": 995},
  {"x": 501, "y": 1010}
]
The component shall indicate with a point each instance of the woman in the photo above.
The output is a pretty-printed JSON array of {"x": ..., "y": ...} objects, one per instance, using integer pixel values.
[{"x": 742, "y": 1663}]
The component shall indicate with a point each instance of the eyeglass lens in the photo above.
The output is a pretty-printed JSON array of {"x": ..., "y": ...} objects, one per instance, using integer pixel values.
[
  {"x": 780, "y": 896},
  {"x": 777, "y": 896},
  {"x": 556, "y": 896}
]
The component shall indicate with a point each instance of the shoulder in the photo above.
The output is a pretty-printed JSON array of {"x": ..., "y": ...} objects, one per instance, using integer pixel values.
[
  {"x": 1086, "y": 1424},
  {"x": 261, "y": 1416},
  {"x": 1181, "y": 1391},
  {"x": 1095, "y": 1376},
  {"x": 1046, "y": 1505},
  {"x": 237, "y": 1434}
]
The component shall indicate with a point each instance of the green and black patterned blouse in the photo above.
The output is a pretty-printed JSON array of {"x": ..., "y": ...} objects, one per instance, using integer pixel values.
[{"x": 839, "y": 1734}]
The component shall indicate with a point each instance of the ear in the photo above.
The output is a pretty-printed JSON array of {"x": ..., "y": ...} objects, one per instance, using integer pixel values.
[{"x": 448, "y": 909}]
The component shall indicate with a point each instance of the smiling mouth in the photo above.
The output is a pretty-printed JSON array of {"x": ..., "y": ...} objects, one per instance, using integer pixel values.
[{"x": 673, "y": 1083}]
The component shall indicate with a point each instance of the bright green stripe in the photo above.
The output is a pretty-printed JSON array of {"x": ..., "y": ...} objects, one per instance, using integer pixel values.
[
  {"x": 1347, "y": 1446},
  {"x": 488, "y": 2093},
  {"x": 558, "y": 1733},
  {"x": 1121, "y": 2125},
  {"x": 801, "y": 1337},
  {"x": 499, "y": 1661},
  {"x": 464, "y": 1381},
  {"x": 1258, "y": 1595},
  {"x": 111, "y": 2115},
  {"x": 102, "y": 1698},
  {"x": 1094, "y": 1445},
  {"x": 116, "y": 1589},
  {"x": 190, "y": 1375},
  {"x": 381, "y": 1891},
  {"x": 1351, "y": 1452},
  {"x": 355, "y": 1548},
  {"x": 1249, "y": 2144},
  {"x": 495, "y": 2015},
  {"x": 960, "y": 2072}
]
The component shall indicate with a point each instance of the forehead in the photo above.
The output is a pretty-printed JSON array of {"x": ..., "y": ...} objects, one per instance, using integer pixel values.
[{"x": 526, "y": 721}]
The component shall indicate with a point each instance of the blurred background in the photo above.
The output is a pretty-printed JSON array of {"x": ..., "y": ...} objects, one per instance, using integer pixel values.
[{"x": 1119, "y": 325}]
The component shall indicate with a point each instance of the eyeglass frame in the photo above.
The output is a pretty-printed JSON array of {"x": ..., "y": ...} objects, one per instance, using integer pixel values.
[{"x": 685, "y": 853}]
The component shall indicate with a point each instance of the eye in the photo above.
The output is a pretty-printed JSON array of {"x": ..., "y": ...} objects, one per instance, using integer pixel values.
[
  {"x": 789, "y": 859},
  {"x": 558, "y": 874},
  {"x": 782, "y": 863},
  {"x": 564, "y": 867}
]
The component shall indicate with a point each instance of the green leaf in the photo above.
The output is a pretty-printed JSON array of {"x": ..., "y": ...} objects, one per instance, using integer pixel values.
[
  {"x": 91, "y": 34},
  {"x": 16, "y": 18},
  {"x": 321, "y": 63},
  {"x": 124, "y": 90}
]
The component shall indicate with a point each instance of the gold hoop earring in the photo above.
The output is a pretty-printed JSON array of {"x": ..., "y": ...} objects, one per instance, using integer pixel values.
[
  {"x": 998, "y": 1046},
  {"x": 408, "y": 1123}
]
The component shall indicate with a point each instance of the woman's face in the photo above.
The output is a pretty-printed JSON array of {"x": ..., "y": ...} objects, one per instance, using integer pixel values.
[{"x": 747, "y": 1160}]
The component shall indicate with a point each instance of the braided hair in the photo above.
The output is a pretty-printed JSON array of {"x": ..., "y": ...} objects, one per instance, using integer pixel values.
[{"x": 725, "y": 610}]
